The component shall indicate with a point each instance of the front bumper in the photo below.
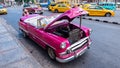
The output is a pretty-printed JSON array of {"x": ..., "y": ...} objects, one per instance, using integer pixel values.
[
  {"x": 75, "y": 50},
  {"x": 72, "y": 57}
]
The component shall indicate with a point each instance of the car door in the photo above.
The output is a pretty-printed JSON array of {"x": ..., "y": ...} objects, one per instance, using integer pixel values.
[
  {"x": 64, "y": 7},
  {"x": 37, "y": 34},
  {"x": 31, "y": 30},
  {"x": 99, "y": 11},
  {"x": 91, "y": 10},
  {"x": 59, "y": 7}
]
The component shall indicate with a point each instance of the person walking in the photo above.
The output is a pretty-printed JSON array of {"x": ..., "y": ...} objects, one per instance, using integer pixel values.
[{"x": 25, "y": 12}]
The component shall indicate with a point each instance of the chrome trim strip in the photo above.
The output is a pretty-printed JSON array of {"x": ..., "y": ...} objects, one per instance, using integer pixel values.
[
  {"x": 23, "y": 29},
  {"x": 81, "y": 52},
  {"x": 80, "y": 41},
  {"x": 72, "y": 57},
  {"x": 65, "y": 60},
  {"x": 79, "y": 45},
  {"x": 62, "y": 53}
]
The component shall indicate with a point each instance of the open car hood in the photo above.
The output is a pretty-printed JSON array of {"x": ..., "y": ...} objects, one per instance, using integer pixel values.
[{"x": 69, "y": 15}]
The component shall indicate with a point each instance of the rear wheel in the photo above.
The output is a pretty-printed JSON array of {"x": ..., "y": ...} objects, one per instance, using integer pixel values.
[
  {"x": 107, "y": 14},
  {"x": 86, "y": 15},
  {"x": 56, "y": 11},
  {"x": 51, "y": 53},
  {"x": 5, "y": 13},
  {"x": 24, "y": 33},
  {"x": 41, "y": 13}
]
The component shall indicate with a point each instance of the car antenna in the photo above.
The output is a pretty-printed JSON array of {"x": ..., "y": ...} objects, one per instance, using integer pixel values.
[{"x": 80, "y": 21}]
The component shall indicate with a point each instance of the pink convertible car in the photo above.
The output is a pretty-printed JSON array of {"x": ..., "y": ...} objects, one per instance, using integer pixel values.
[{"x": 63, "y": 39}]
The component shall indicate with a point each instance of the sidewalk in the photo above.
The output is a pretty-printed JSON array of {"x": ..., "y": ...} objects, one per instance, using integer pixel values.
[
  {"x": 111, "y": 20},
  {"x": 12, "y": 52}
]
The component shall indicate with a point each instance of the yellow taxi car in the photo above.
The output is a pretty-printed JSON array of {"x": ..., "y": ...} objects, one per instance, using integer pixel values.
[
  {"x": 3, "y": 10},
  {"x": 51, "y": 6},
  {"x": 84, "y": 6},
  {"x": 60, "y": 7},
  {"x": 99, "y": 11}
]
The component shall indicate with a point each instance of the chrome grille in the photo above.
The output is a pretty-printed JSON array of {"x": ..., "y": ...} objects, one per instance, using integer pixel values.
[{"x": 78, "y": 44}]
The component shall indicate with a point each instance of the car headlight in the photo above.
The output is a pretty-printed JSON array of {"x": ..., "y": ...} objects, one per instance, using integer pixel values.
[{"x": 63, "y": 45}]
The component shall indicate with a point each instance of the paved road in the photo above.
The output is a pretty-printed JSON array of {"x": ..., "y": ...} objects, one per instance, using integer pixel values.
[{"x": 104, "y": 51}]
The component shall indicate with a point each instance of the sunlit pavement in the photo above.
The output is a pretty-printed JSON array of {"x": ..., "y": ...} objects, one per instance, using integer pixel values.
[{"x": 12, "y": 52}]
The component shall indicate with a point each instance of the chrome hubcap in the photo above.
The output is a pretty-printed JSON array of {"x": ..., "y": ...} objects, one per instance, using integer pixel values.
[{"x": 51, "y": 53}]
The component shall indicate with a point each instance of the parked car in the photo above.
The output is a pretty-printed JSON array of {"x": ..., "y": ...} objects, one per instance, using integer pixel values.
[
  {"x": 33, "y": 9},
  {"x": 88, "y": 5},
  {"x": 99, "y": 11},
  {"x": 85, "y": 6},
  {"x": 60, "y": 7},
  {"x": 108, "y": 5},
  {"x": 63, "y": 39},
  {"x": 3, "y": 10},
  {"x": 51, "y": 6}
]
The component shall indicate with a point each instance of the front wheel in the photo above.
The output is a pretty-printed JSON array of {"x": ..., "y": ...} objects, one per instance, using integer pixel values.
[
  {"x": 107, "y": 14},
  {"x": 51, "y": 53},
  {"x": 56, "y": 11},
  {"x": 5, "y": 13}
]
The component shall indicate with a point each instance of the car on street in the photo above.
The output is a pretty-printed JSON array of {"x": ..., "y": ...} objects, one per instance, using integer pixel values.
[
  {"x": 60, "y": 7},
  {"x": 99, "y": 11},
  {"x": 63, "y": 39},
  {"x": 3, "y": 10},
  {"x": 51, "y": 6},
  {"x": 33, "y": 9},
  {"x": 108, "y": 5},
  {"x": 85, "y": 5}
]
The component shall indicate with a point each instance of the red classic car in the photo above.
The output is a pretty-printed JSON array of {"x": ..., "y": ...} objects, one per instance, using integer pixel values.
[
  {"x": 63, "y": 39},
  {"x": 33, "y": 9}
]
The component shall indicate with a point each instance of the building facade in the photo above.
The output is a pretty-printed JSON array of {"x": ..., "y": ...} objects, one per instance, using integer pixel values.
[{"x": 1, "y": 1}]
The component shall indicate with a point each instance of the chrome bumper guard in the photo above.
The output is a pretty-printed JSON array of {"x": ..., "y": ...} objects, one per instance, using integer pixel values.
[{"x": 74, "y": 47}]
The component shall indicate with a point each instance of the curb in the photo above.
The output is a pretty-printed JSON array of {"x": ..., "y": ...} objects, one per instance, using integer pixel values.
[{"x": 104, "y": 21}]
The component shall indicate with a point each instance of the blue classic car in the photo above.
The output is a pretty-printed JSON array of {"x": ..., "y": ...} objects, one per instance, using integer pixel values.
[{"x": 108, "y": 5}]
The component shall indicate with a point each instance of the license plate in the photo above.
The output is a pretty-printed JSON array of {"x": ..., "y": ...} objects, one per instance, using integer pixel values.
[{"x": 81, "y": 52}]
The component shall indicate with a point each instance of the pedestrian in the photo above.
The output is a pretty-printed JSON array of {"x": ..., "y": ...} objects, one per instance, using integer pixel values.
[
  {"x": 75, "y": 5},
  {"x": 25, "y": 12}
]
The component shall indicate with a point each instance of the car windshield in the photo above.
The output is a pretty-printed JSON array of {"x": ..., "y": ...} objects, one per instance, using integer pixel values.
[
  {"x": 49, "y": 19},
  {"x": 53, "y": 4}
]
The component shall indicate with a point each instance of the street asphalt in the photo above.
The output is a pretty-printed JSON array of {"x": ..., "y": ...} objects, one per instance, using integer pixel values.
[
  {"x": 104, "y": 51},
  {"x": 12, "y": 53}
]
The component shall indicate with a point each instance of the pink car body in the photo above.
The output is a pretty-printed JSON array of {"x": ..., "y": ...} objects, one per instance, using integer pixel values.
[{"x": 66, "y": 44}]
